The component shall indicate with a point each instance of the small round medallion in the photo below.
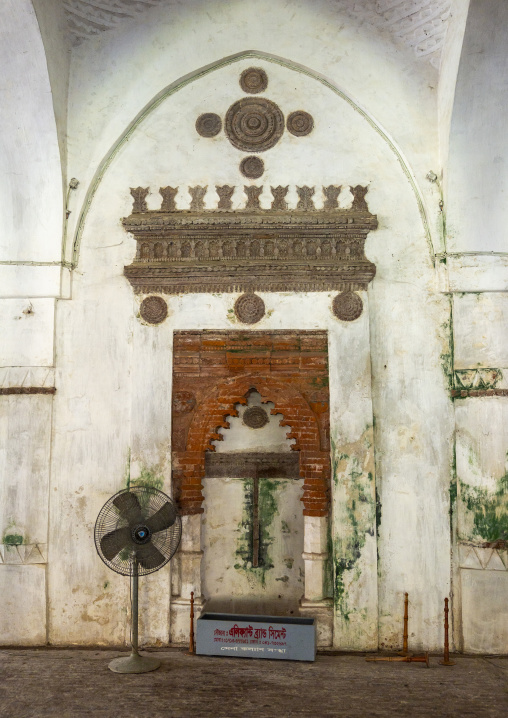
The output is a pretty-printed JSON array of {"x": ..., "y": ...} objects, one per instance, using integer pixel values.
[
  {"x": 249, "y": 308},
  {"x": 208, "y": 124},
  {"x": 255, "y": 417},
  {"x": 183, "y": 402},
  {"x": 253, "y": 80},
  {"x": 252, "y": 167},
  {"x": 254, "y": 124},
  {"x": 300, "y": 123},
  {"x": 347, "y": 306},
  {"x": 153, "y": 309}
]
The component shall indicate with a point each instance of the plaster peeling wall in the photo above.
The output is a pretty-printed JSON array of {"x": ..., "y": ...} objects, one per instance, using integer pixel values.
[{"x": 114, "y": 373}]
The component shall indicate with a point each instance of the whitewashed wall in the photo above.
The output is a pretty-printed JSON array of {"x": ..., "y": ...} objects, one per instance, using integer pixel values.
[
  {"x": 405, "y": 316},
  {"x": 108, "y": 362}
]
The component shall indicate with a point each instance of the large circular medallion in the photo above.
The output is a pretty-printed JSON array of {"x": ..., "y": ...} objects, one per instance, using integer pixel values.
[
  {"x": 347, "y": 306},
  {"x": 253, "y": 80},
  {"x": 153, "y": 309},
  {"x": 249, "y": 308},
  {"x": 255, "y": 417},
  {"x": 300, "y": 123},
  {"x": 254, "y": 124},
  {"x": 252, "y": 167},
  {"x": 208, "y": 124}
]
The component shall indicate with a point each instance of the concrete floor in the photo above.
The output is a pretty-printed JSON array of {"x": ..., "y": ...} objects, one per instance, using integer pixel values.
[{"x": 37, "y": 683}]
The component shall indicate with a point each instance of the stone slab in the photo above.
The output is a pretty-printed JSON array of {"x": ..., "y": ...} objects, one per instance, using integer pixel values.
[{"x": 222, "y": 634}]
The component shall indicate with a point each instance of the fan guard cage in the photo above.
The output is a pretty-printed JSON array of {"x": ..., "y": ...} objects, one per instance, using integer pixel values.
[{"x": 110, "y": 519}]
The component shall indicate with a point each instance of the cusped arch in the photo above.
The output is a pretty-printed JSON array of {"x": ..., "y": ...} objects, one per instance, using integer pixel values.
[{"x": 220, "y": 403}]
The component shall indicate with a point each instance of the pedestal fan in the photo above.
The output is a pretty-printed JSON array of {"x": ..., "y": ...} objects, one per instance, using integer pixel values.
[{"x": 137, "y": 532}]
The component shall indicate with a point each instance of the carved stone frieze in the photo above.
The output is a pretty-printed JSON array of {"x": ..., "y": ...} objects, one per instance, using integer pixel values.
[
  {"x": 254, "y": 80},
  {"x": 252, "y": 249},
  {"x": 252, "y": 167},
  {"x": 254, "y": 124},
  {"x": 208, "y": 124},
  {"x": 153, "y": 310},
  {"x": 255, "y": 417},
  {"x": 249, "y": 308},
  {"x": 347, "y": 306},
  {"x": 300, "y": 123}
]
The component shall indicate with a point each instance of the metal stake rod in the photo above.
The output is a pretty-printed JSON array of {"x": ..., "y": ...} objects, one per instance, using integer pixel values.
[
  {"x": 403, "y": 659},
  {"x": 446, "y": 658},
  {"x": 192, "y": 646},
  {"x": 405, "y": 651}
]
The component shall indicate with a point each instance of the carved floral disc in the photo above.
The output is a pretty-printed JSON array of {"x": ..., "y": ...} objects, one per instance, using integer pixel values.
[
  {"x": 252, "y": 167},
  {"x": 249, "y": 308},
  {"x": 300, "y": 123},
  {"x": 183, "y": 402},
  {"x": 255, "y": 417},
  {"x": 153, "y": 309},
  {"x": 347, "y": 306},
  {"x": 253, "y": 80},
  {"x": 208, "y": 124},
  {"x": 254, "y": 124}
]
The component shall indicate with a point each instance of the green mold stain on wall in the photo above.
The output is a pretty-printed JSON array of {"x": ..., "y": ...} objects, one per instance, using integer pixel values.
[
  {"x": 361, "y": 512},
  {"x": 12, "y": 539},
  {"x": 489, "y": 510},
  {"x": 267, "y": 507}
]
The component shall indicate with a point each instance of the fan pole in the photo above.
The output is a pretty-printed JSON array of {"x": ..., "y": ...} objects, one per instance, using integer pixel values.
[
  {"x": 134, "y": 663},
  {"x": 135, "y": 609}
]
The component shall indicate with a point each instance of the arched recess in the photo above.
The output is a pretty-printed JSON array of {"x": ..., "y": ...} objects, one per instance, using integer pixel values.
[
  {"x": 182, "y": 82},
  {"x": 314, "y": 450}
]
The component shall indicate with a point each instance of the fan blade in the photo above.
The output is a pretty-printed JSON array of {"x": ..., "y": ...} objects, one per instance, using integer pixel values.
[
  {"x": 129, "y": 507},
  {"x": 113, "y": 542},
  {"x": 149, "y": 556},
  {"x": 163, "y": 519}
]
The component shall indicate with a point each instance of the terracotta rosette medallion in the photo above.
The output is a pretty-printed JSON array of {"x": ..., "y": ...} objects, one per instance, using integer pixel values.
[
  {"x": 252, "y": 167},
  {"x": 249, "y": 308},
  {"x": 255, "y": 417},
  {"x": 347, "y": 306},
  {"x": 153, "y": 309},
  {"x": 300, "y": 123},
  {"x": 254, "y": 80},
  {"x": 254, "y": 124},
  {"x": 208, "y": 124}
]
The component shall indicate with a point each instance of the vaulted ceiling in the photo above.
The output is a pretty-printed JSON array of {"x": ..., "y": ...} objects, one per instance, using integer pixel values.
[{"x": 420, "y": 25}]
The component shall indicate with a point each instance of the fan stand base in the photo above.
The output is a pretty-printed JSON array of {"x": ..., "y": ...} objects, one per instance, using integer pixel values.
[{"x": 134, "y": 664}]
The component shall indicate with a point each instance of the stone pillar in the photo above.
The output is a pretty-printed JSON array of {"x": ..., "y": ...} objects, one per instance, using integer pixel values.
[
  {"x": 314, "y": 603},
  {"x": 186, "y": 577}
]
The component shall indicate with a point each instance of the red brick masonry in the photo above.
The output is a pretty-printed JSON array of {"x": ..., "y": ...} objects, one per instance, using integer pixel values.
[{"x": 215, "y": 371}]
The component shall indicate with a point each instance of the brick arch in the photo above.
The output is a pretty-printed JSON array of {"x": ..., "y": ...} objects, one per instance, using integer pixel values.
[{"x": 211, "y": 414}]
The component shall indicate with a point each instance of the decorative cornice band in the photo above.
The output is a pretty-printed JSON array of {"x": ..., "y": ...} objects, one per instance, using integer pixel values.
[
  {"x": 27, "y": 390},
  {"x": 262, "y": 250},
  {"x": 465, "y": 393}
]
